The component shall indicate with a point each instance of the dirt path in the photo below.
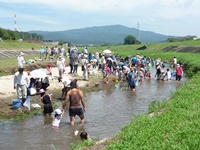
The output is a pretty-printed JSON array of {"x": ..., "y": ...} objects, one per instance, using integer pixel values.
[{"x": 7, "y": 85}]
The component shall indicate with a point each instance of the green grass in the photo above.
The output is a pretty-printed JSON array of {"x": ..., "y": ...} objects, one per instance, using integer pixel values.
[
  {"x": 15, "y": 45},
  {"x": 155, "y": 51},
  {"x": 177, "y": 127}
]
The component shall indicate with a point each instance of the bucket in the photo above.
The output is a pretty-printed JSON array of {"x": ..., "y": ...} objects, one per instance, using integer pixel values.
[
  {"x": 16, "y": 103},
  {"x": 96, "y": 84},
  {"x": 173, "y": 74}
]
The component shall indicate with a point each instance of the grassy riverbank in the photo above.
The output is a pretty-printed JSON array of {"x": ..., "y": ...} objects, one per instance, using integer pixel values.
[{"x": 174, "y": 125}]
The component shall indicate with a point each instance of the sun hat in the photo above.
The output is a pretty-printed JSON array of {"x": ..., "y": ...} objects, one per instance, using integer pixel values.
[
  {"x": 58, "y": 111},
  {"x": 21, "y": 53},
  {"x": 41, "y": 91}
]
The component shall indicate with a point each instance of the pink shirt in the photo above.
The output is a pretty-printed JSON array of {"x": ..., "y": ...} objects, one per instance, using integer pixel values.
[
  {"x": 49, "y": 69},
  {"x": 179, "y": 71},
  {"x": 107, "y": 70}
]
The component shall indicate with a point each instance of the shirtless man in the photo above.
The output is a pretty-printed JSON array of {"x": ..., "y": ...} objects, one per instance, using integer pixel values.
[{"x": 75, "y": 97}]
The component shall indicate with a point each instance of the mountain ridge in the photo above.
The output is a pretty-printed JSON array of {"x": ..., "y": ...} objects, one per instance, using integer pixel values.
[{"x": 111, "y": 34}]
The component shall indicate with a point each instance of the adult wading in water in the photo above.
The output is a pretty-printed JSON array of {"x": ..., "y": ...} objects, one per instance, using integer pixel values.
[{"x": 75, "y": 97}]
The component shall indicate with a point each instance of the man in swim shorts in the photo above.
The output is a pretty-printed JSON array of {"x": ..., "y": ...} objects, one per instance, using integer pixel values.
[{"x": 75, "y": 97}]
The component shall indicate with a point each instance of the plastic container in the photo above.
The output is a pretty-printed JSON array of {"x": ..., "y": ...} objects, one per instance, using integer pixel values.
[{"x": 16, "y": 103}]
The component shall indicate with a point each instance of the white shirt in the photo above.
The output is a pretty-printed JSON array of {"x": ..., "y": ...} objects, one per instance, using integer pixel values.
[
  {"x": 175, "y": 61},
  {"x": 20, "y": 61},
  {"x": 126, "y": 68},
  {"x": 21, "y": 79},
  {"x": 60, "y": 64},
  {"x": 62, "y": 50},
  {"x": 84, "y": 62},
  {"x": 66, "y": 81},
  {"x": 56, "y": 122},
  {"x": 169, "y": 75}
]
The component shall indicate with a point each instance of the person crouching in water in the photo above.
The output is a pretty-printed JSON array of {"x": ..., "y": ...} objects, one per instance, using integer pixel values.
[
  {"x": 46, "y": 100},
  {"x": 141, "y": 74},
  {"x": 57, "y": 118},
  {"x": 75, "y": 97},
  {"x": 85, "y": 136}
]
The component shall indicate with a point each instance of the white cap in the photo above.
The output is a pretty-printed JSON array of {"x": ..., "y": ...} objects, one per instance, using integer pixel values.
[{"x": 58, "y": 111}]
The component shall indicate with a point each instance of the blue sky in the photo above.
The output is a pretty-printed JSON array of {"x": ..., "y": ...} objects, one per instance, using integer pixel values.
[{"x": 168, "y": 17}]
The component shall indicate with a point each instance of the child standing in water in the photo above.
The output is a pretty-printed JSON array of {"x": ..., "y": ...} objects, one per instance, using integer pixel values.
[
  {"x": 106, "y": 72},
  {"x": 141, "y": 74},
  {"x": 168, "y": 75},
  {"x": 57, "y": 118},
  {"x": 46, "y": 100}
]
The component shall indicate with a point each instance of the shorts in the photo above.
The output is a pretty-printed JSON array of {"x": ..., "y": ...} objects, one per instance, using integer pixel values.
[
  {"x": 132, "y": 84},
  {"x": 48, "y": 108},
  {"x": 66, "y": 89},
  {"x": 75, "y": 111}
]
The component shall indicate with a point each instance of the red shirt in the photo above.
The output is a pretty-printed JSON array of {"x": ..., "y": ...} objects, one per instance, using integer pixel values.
[{"x": 179, "y": 71}]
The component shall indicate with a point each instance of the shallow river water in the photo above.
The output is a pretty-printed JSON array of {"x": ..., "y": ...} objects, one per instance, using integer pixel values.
[{"x": 107, "y": 112}]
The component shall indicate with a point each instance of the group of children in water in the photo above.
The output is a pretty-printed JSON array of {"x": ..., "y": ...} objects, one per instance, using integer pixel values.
[{"x": 138, "y": 68}]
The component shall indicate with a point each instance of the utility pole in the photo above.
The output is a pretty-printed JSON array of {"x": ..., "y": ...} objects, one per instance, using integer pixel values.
[{"x": 15, "y": 22}]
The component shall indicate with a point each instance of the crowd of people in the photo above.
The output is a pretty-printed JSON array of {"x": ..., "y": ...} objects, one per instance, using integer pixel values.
[{"x": 130, "y": 70}]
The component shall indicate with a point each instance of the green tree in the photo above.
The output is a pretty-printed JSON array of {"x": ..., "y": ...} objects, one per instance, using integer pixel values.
[
  {"x": 130, "y": 40},
  {"x": 6, "y": 35}
]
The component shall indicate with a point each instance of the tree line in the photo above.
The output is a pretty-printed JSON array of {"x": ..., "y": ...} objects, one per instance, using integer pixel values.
[
  {"x": 16, "y": 35},
  {"x": 182, "y": 39}
]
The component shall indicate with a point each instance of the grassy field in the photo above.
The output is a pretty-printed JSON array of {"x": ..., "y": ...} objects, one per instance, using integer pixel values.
[
  {"x": 11, "y": 45},
  {"x": 9, "y": 65}
]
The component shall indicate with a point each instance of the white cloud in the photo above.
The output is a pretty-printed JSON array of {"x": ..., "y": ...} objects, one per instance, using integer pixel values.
[{"x": 160, "y": 15}]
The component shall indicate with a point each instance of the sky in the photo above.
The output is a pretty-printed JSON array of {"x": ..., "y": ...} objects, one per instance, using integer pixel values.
[{"x": 168, "y": 17}]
